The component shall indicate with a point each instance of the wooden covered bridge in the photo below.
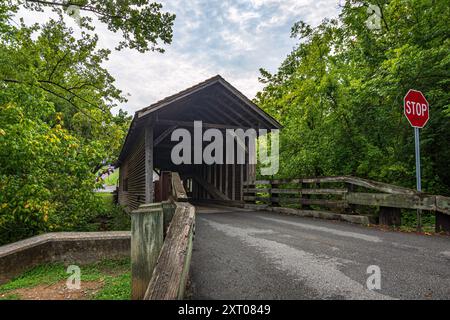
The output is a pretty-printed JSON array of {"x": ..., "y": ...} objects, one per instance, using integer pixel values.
[
  {"x": 159, "y": 193},
  {"x": 147, "y": 149}
]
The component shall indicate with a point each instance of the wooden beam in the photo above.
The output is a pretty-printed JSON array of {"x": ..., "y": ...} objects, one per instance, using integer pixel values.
[
  {"x": 170, "y": 275},
  {"x": 236, "y": 116},
  {"x": 393, "y": 200},
  {"x": 147, "y": 227},
  {"x": 235, "y": 113},
  {"x": 210, "y": 189},
  {"x": 149, "y": 163},
  {"x": 190, "y": 124},
  {"x": 163, "y": 135}
]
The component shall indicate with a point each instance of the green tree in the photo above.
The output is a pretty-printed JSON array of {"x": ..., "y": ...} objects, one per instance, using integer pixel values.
[
  {"x": 339, "y": 94},
  {"x": 142, "y": 23},
  {"x": 56, "y": 125}
]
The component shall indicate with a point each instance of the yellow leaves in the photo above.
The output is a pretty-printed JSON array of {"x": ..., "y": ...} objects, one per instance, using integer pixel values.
[
  {"x": 4, "y": 205},
  {"x": 2, "y": 132},
  {"x": 59, "y": 117},
  {"x": 45, "y": 210},
  {"x": 51, "y": 137}
]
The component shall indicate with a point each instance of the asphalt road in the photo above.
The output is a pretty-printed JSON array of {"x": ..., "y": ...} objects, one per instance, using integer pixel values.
[{"x": 264, "y": 255}]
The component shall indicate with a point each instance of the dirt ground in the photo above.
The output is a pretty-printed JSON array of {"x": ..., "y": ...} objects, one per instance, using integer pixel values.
[{"x": 57, "y": 291}]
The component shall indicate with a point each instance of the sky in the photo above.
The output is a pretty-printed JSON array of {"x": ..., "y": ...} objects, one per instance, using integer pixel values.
[{"x": 231, "y": 38}]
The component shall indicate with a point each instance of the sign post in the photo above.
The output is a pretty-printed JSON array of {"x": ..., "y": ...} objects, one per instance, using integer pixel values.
[{"x": 416, "y": 109}]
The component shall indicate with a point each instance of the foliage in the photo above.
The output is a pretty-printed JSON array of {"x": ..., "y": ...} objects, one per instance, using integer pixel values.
[
  {"x": 141, "y": 22},
  {"x": 111, "y": 179},
  {"x": 56, "y": 125},
  {"x": 339, "y": 95},
  {"x": 109, "y": 216},
  {"x": 46, "y": 180}
]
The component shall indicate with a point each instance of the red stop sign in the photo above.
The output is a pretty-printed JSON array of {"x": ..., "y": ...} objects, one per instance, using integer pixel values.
[{"x": 416, "y": 108}]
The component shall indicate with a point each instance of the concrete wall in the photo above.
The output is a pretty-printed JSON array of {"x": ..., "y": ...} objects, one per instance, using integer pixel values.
[{"x": 66, "y": 247}]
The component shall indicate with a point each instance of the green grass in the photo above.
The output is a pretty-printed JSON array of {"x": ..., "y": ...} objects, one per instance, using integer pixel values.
[
  {"x": 115, "y": 274},
  {"x": 107, "y": 199},
  {"x": 112, "y": 179}
]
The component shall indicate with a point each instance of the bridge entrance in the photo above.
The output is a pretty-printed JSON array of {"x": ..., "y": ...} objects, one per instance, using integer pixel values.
[{"x": 148, "y": 150}]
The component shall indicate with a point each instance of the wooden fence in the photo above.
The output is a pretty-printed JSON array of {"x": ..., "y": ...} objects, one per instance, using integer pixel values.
[
  {"x": 346, "y": 194},
  {"x": 161, "y": 245}
]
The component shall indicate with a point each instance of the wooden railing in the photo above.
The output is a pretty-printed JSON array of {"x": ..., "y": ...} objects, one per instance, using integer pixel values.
[
  {"x": 171, "y": 271},
  {"x": 343, "y": 194},
  {"x": 161, "y": 246}
]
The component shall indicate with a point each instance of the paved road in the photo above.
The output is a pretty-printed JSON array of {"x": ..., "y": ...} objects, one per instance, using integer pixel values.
[{"x": 263, "y": 255}]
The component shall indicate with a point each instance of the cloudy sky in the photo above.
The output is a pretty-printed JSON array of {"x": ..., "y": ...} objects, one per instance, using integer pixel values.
[{"x": 231, "y": 38}]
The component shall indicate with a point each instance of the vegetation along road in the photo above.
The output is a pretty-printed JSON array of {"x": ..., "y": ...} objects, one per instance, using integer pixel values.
[{"x": 263, "y": 255}]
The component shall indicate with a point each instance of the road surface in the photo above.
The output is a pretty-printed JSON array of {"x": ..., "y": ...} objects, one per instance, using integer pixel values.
[{"x": 263, "y": 255}]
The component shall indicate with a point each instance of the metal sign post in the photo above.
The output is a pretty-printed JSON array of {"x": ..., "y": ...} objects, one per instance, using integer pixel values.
[
  {"x": 416, "y": 109},
  {"x": 418, "y": 178}
]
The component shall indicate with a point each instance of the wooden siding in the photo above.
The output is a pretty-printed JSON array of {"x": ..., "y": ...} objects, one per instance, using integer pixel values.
[{"x": 133, "y": 170}]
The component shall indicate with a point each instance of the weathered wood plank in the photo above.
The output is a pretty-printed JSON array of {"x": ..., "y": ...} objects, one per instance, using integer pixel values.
[
  {"x": 170, "y": 274},
  {"x": 147, "y": 228},
  {"x": 324, "y": 202},
  {"x": 177, "y": 188},
  {"x": 443, "y": 204},
  {"x": 254, "y": 198},
  {"x": 253, "y": 190},
  {"x": 149, "y": 163},
  {"x": 310, "y": 191},
  {"x": 392, "y": 200}
]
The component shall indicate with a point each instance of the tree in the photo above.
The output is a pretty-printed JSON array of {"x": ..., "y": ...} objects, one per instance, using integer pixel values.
[
  {"x": 142, "y": 23},
  {"x": 56, "y": 125},
  {"x": 339, "y": 94}
]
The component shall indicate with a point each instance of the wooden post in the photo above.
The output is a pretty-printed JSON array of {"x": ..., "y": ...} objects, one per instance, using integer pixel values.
[
  {"x": 273, "y": 203},
  {"x": 300, "y": 194},
  {"x": 442, "y": 222},
  {"x": 390, "y": 216},
  {"x": 147, "y": 228},
  {"x": 233, "y": 181},
  {"x": 351, "y": 209},
  {"x": 306, "y": 196},
  {"x": 168, "y": 211},
  {"x": 149, "y": 163},
  {"x": 226, "y": 180}
]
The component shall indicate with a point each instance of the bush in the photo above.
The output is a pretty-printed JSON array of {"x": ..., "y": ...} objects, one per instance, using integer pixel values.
[{"x": 46, "y": 179}]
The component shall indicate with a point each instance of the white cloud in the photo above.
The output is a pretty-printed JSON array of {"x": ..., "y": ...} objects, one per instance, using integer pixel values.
[{"x": 231, "y": 38}]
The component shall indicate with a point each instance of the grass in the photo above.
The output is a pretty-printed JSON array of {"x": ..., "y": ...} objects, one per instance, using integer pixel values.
[
  {"x": 107, "y": 199},
  {"x": 114, "y": 274},
  {"x": 112, "y": 179}
]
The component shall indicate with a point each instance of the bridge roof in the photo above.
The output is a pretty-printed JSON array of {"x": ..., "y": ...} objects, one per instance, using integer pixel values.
[{"x": 214, "y": 101}]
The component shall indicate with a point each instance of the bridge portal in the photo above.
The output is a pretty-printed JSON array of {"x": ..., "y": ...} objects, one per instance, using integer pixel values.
[{"x": 149, "y": 150}]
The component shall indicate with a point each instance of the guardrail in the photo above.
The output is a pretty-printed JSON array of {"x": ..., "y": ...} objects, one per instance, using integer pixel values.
[
  {"x": 161, "y": 245},
  {"x": 344, "y": 193}
]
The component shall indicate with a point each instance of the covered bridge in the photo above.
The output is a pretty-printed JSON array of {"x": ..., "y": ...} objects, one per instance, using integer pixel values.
[{"x": 146, "y": 153}]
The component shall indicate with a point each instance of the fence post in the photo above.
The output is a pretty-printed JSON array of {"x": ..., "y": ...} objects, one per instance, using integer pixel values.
[
  {"x": 272, "y": 201},
  {"x": 146, "y": 241},
  {"x": 168, "y": 211},
  {"x": 390, "y": 216},
  {"x": 351, "y": 208},
  {"x": 442, "y": 222}
]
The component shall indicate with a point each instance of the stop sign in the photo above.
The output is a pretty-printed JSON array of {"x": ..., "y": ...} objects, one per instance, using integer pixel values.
[{"x": 416, "y": 108}]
